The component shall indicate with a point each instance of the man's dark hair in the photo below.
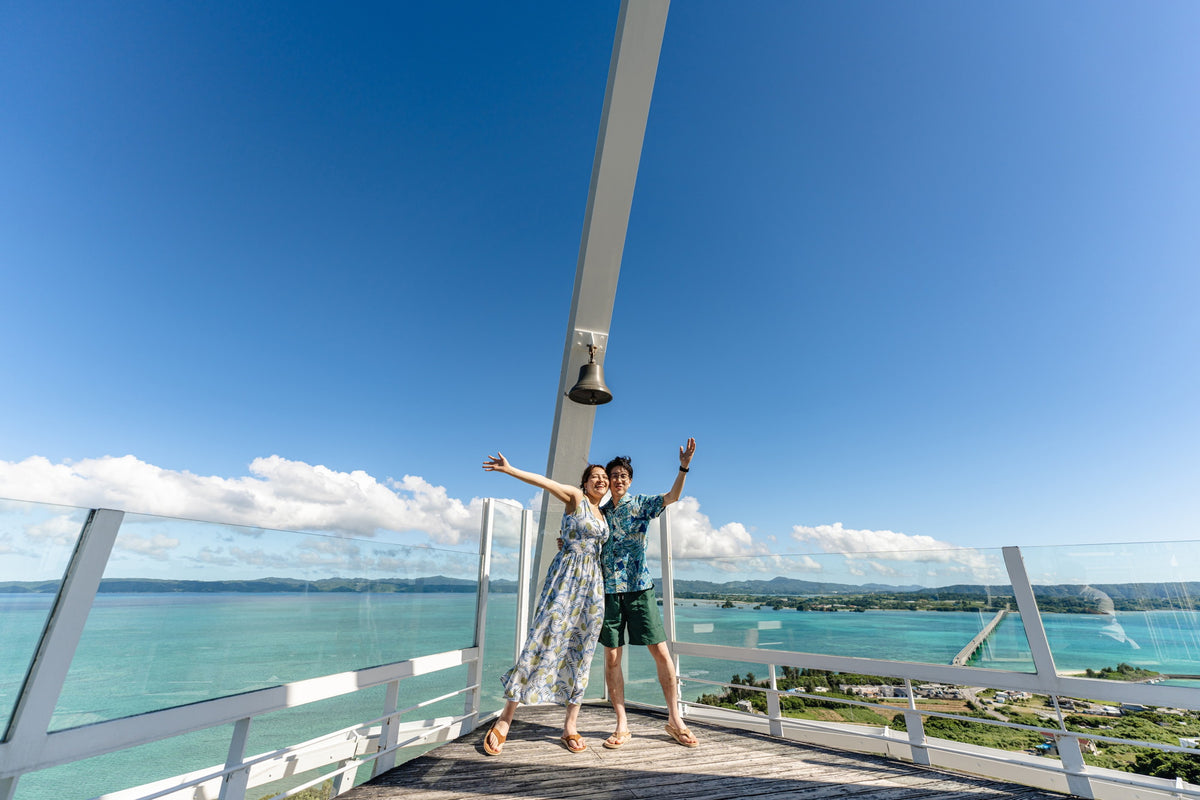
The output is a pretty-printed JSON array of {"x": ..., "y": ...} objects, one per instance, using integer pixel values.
[{"x": 620, "y": 461}]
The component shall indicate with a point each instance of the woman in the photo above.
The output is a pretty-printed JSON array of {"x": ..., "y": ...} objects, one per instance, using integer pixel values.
[{"x": 554, "y": 664}]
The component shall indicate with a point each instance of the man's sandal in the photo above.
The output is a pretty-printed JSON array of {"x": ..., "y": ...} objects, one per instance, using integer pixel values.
[
  {"x": 679, "y": 734},
  {"x": 574, "y": 742},
  {"x": 500, "y": 737},
  {"x": 621, "y": 738}
]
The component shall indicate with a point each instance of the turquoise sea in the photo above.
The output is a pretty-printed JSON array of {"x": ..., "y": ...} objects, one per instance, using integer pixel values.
[{"x": 150, "y": 651}]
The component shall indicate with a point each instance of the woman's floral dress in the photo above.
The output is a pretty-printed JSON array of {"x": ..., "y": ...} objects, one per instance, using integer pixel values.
[{"x": 554, "y": 664}]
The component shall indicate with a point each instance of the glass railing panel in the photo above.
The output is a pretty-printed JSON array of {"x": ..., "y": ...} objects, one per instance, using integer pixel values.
[
  {"x": 501, "y": 624},
  {"x": 924, "y": 606},
  {"x": 36, "y": 543},
  {"x": 135, "y": 766},
  {"x": 1133, "y": 604},
  {"x": 189, "y": 611}
]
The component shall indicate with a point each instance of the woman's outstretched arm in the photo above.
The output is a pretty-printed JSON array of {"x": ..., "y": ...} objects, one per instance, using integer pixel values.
[{"x": 571, "y": 495}]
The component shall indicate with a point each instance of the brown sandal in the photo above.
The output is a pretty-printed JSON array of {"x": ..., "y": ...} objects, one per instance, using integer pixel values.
[
  {"x": 574, "y": 742},
  {"x": 621, "y": 738},
  {"x": 500, "y": 738},
  {"x": 679, "y": 733}
]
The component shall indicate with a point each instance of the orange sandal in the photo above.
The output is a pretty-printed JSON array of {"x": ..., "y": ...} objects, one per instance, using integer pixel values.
[
  {"x": 681, "y": 735},
  {"x": 574, "y": 743},
  {"x": 617, "y": 740},
  {"x": 500, "y": 738}
]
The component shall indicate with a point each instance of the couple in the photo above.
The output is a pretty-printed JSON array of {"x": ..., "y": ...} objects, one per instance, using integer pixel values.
[{"x": 597, "y": 586}]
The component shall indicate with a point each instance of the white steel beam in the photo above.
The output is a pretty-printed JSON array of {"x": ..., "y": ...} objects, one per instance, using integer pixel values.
[
  {"x": 1031, "y": 618},
  {"x": 631, "y": 74},
  {"x": 38, "y": 697}
]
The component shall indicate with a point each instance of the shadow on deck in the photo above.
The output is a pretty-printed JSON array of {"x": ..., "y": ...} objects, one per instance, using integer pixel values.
[{"x": 728, "y": 764}]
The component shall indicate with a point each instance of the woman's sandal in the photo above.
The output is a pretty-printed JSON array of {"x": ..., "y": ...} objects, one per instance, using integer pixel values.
[
  {"x": 621, "y": 738},
  {"x": 500, "y": 737},
  {"x": 678, "y": 733},
  {"x": 573, "y": 742}
]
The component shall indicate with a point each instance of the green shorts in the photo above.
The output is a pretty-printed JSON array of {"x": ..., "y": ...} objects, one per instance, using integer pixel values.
[{"x": 637, "y": 611}]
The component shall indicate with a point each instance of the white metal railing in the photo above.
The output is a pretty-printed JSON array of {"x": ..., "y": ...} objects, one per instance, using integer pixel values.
[
  {"x": 30, "y": 744},
  {"x": 1071, "y": 774}
]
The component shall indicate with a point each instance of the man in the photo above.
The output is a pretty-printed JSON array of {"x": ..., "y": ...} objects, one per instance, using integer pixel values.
[{"x": 629, "y": 602}]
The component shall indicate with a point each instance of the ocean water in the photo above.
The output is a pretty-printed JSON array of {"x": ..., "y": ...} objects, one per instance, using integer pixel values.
[{"x": 145, "y": 652}]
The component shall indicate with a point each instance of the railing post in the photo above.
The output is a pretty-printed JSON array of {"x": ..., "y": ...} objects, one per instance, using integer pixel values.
[
  {"x": 475, "y": 668},
  {"x": 668, "y": 597},
  {"x": 1078, "y": 781},
  {"x": 916, "y": 728},
  {"x": 389, "y": 732},
  {"x": 773, "y": 711},
  {"x": 235, "y": 784},
  {"x": 343, "y": 781},
  {"x": 524, "y": 583}
]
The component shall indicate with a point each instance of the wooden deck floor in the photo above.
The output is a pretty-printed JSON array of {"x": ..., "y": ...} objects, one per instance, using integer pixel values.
[{"x": 728, "y": 764}]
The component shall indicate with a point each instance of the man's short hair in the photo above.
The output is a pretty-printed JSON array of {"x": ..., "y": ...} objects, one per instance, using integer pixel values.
[{"x": 620, "y": 461}]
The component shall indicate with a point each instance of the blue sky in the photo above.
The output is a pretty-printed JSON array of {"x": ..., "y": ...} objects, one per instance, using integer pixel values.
[{"x": 909, "y": 273}]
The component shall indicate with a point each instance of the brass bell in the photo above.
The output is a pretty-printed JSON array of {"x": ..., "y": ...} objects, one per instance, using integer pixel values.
[{"x": 590, "y": 389}]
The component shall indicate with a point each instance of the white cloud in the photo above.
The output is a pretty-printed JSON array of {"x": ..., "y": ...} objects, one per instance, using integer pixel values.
[
  {"x": 882, "y": 551},
  {"x": 61, "y": 530},
  {"x": 278, "y": 493},
  {"x": 158, "y": 547},
  {"x": 765, "y": 567},
  {"x": 693, "y": 535},
  {"x": 837, "y": 539}
]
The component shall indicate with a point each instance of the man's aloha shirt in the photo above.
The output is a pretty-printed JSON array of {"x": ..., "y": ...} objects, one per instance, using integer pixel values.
[{"x": 623, "y": 558}]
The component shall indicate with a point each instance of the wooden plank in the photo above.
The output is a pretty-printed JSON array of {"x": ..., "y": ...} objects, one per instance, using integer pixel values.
[{"x": 729, "y": 764}]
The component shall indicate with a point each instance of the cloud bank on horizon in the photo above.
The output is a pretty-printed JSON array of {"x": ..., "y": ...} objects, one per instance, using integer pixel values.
[
  {"x": 283, "y": 494},
  {"x": 278, "y": 493}
]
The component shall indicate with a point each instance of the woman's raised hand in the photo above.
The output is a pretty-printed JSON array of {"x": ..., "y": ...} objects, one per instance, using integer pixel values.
[{"x": 496, "y": 463}]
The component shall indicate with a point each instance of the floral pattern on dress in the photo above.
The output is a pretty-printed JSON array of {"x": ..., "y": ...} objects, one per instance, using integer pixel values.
[
  {"x": 557, "y": 657},
  {"x": 624, "y": 556}
]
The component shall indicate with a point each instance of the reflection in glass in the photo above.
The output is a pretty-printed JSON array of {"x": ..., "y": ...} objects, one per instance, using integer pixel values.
[
  {"x": 501, "y": 624},
  {"x": 1112, "y": 604},
  {"x": 36, "y": 542},
  {"x": 924, "y": 606},
  {"x": 112, "y": 772},
  {"x": 189, "y": 611}
]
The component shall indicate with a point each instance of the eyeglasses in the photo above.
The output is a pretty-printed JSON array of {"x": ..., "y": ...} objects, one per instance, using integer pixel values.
[{"x": 619, "y": 476}]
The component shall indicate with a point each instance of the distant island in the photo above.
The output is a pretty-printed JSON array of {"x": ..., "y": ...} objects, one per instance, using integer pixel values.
[
  {"x": 436, "y": 584},
  {"x": 789, "y": 593},
  {"x": 778, "y": 593}
]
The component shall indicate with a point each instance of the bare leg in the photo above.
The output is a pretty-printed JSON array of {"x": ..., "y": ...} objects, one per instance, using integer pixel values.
[
  {"x": 570, "y": 723},
  {"x": 670, "y": 687},
  {"x": 614, "y": 681},
  {"x": 502, "y": 724}
]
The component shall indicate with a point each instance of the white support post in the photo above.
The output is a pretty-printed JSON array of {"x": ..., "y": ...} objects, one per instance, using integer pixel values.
[
  {"x": 236, "y": 782},
  {"x": 916, "y": 728},
  {"x": 774, "y": 713},
  {"x": 475, "y": 668},
  {"x": 389, "y": 733},
  {"x": 524, "y": 583},
  {"x": 343, "y": 781},
  {"x": 38, "y": 696},
  {"x": 1035, "y": 633},
  {"x": 631, "y": 73},
  {"x": 668, "y": 596},
  {"x": 1078, "y": 781}
]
